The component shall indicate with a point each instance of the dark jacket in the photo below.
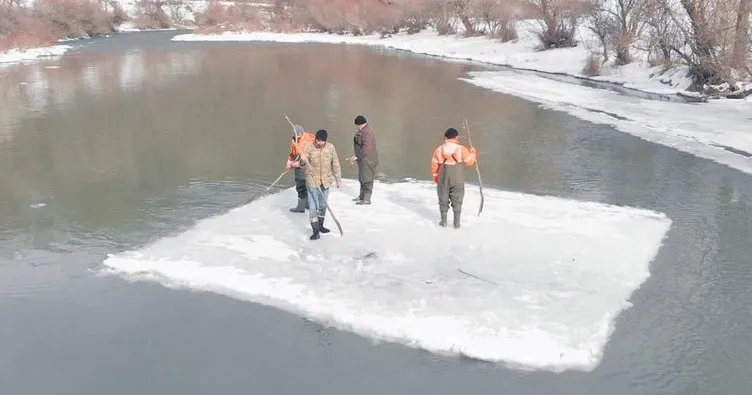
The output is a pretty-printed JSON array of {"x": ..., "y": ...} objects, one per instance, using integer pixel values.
[{"x": 364, "y": 146}]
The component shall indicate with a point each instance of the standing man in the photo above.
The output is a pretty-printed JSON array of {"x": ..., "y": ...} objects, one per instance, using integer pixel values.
[
  {"x": 448, "y": 174},
  {"x": 364, "y": 147},
  {"x": 300, "y": 139},
  {"x": 322, "y": 167}
]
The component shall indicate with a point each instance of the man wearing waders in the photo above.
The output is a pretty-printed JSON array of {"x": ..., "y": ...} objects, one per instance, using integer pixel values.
[
  {"x": 302, "y": 139},
  {"x": 322, "y": 167},
  {"x": 448, "y": 174},
  {"x": 364, "y": 147}
]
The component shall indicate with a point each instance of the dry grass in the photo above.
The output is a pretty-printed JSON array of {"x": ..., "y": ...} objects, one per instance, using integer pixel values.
[
  {"x": 51, "y": 20},
  {"x": 592, "y": 65}
]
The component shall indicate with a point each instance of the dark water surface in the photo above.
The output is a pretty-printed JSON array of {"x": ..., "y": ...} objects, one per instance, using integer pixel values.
[{"x": 135, "y": 137}]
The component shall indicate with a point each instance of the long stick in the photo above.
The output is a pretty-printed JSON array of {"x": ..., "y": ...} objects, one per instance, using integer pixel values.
[
  {"x": 257, "y": 194},
  {"x": 290, "y": 122},
  {"x": 477, "y": 170},
  {"x": 322, "y": 192},
  {"x": 479, "y": 278}
]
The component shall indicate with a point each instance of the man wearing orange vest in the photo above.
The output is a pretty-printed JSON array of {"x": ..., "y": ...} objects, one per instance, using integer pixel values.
[
  {"x": 448, "y": 174},
  {"x": 302, "y": 139}
]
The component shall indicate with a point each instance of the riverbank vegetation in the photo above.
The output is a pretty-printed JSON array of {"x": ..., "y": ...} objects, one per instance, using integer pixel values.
[
  {"x": 44, "y": 21},
  {"x": 712, "y": 39}
]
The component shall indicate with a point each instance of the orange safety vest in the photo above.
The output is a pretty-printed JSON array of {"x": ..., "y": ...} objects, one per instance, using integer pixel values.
[
  {"x": 451, "y": 152},
  {"x": 304, "y": 140}
]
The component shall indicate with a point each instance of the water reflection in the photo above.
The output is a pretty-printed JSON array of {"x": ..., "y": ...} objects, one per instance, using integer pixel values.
[
  {"x": 32, "y": 89},
  {"x": 106, "y": 131}
]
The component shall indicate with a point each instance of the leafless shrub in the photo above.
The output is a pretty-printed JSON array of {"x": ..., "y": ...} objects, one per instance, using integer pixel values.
[
  {"x": 463, "y": 9},
  {"x": 442, "y": 18},
  {"x": 20, "y": 28},
  {"x": 119, "y": 16},
  {"x": 708, "y": 31},
  {"x": 74, "y": 18},
  {"x": 218, "y": 18},
  {"x": 416, "y": 14},
  {"x": 176, "y": 9},
  {"x": 498, "y": 18},
  {"x": 617, "y": 24},
  {"x": 592, "y": 65},
  {"x": 151, "y": 15},
  {"x": 558, "y": 20}
]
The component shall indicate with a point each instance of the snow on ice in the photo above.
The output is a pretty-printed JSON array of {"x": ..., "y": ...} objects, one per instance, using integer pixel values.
[
  {"x": 19, "y": 55},
  {"x": 533, "y": 282}
]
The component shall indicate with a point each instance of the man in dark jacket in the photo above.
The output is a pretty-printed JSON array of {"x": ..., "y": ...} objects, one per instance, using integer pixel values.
[{"x": 364, "y": 147}]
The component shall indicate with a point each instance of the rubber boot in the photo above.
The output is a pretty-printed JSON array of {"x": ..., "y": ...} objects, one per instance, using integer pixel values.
[
  {"x": 457, "y": 220},
  {"x": 360, "y": 195},
  {"x": 443, "y": 221},
  {"x": 322, "y": 229},
  {"x": 300, "y": 208},
  {"x": 315, "y": 227}
]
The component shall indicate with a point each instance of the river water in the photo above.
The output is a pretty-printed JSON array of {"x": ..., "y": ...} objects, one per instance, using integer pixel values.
[{"x": 131, "y": 138}]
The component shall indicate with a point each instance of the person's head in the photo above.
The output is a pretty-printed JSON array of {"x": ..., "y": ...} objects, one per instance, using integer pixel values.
[
  {"x": 297, "y": 130},
  {"x": 360, "y": 122},
  {"x": 321, "y": 137},
  {"x": 451, "y": 133}
]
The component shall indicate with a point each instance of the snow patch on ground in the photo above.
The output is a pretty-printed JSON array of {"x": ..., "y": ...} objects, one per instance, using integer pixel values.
[
  {"x": 720, "y": 130},
  {"x": 20, "y": 55},
  {"x": 486, "y": 291}
]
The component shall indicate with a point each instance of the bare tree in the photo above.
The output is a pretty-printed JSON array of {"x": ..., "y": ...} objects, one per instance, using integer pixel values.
[
  {"x": 462, "y": 10},
  {"x": 707, "y": 29},
  {"x": 441, "y": 17},
  {"x": 662, "y": 33},
  {"x": 499, "y": 17},
  {"x": 740, "y": 57},
  {"x": 601, "y": 25},
  {"x": 558, "y": 20},
  {"x": 176, "y": 9},
  {"x": 618, "y": 23}
]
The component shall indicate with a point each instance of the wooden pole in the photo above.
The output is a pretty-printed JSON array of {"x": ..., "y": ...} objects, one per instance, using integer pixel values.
[
  {"x": 466, "y": 127},
  {"x": 257, "y": 194}
]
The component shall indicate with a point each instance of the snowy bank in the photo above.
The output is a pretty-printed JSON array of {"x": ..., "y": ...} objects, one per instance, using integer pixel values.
[
  {"x": 19, "y": 55},
  {"x": 487, "y": 291},
  {"x": 718, "y": 130}
]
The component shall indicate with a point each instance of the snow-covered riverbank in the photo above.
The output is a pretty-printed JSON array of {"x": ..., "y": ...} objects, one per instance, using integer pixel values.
[
  {"x": 720, "y": 130},
  {"x": 19, "y": 55}
]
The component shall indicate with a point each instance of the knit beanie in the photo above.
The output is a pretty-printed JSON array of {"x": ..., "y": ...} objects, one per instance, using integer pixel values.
[
  {"x": 322, "y": 135},
  {"x": 451, "y": 133},
  {"x": 298, "y": 130}
]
